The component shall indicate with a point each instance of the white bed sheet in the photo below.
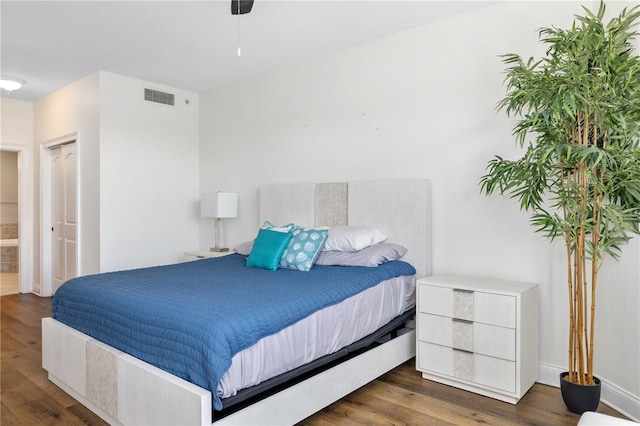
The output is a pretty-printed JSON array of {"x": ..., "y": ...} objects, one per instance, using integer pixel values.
[{"x": 319, "y": 334}]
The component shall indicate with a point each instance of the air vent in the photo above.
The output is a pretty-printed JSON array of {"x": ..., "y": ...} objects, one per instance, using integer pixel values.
[{"x": 159, "y": 97}]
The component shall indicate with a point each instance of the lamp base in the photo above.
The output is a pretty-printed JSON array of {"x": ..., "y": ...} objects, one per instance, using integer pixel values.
[{"x": 219, "y": 249}]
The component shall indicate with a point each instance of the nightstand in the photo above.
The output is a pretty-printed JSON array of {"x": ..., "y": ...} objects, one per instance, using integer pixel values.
[
  {"x": 204, "y": 254},
  {"x": 478, "y": 334}
]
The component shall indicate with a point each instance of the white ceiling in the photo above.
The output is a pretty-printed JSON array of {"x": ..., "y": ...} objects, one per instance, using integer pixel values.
[{"x": 189, "y": 44}]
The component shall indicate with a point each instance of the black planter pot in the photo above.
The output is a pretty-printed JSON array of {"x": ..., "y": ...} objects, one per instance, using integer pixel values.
[{"x": 580, "y": 398}]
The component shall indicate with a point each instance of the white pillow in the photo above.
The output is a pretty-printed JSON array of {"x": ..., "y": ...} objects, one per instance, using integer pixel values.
[
  {"x": 284, "y": 228},
  {"x": 352, "y": 238}
]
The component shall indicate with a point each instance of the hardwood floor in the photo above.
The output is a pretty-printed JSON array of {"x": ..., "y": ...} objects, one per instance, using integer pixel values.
[
  {"x": 400, "y": 397},
  {"x": 27, "y": 396}
]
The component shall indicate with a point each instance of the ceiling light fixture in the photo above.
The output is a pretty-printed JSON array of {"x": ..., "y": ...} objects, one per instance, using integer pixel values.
[
  {"x": 10, "y": 83},
  {"x": 239, "y": 50},
  {"x": 240, "y": 7}
]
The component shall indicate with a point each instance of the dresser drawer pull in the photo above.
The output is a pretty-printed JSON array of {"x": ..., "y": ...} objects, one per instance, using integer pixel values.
[
  {"x": 462, "y": 350},
  {"x": 463, "y": 290},
  {"x": 462, "y": 320}
]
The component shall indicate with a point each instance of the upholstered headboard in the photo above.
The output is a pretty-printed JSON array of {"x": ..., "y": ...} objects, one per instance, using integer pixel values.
[{"x": 399, "y": 208}]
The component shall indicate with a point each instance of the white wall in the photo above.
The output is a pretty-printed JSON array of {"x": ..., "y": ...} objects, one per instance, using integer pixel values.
[
  {"x": 418, "y": 104},
  {"x": 16, "y": 121},
  {"x": 73, "y": 111},
  {"x": 149, "y": 196},
  {"x": 16, "y": 134},
  {"x": 138, "y": 172}
]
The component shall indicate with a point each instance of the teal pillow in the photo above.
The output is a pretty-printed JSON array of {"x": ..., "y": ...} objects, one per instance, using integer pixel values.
[
  {"x": 267, "y": 249},
  {"x": 303, "y": 248}
]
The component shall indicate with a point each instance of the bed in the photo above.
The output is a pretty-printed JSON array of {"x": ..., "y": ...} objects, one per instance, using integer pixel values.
[{"x": 119, "y": 382}]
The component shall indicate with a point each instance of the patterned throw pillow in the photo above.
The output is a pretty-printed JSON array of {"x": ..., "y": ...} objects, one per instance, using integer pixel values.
[{"x": 303, "y": 248}]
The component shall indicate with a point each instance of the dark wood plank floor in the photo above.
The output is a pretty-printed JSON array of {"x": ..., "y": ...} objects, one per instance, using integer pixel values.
[{"x": 400, "y": 397}]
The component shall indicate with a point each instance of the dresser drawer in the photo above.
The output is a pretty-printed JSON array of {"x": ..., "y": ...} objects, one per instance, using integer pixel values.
[
  {"x": 495, "y": 309},
  {"x": 478, "y": 306},
  {"x": 499, "y": 342},
  {"x": 435, "y": 300},
  {"x": 473, "y": 367}
]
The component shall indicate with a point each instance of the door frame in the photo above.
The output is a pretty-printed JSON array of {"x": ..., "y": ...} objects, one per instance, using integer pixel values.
[
  {"x": 46, "y": 210},
  {"x": 25, "y": 214}
]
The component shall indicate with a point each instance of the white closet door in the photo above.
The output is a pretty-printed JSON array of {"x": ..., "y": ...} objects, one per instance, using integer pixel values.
[{"x": 63, "y": 192}]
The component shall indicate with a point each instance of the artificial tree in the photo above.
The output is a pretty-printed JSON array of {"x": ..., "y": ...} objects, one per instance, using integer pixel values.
[{"x": 578, "y": 114}]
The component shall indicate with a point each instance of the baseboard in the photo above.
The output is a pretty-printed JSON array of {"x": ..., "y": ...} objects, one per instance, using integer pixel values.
[{"x": 612, "y": 395}]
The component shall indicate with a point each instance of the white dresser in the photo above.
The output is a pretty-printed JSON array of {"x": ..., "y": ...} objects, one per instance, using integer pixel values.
[{"x": 478, "y": 334}]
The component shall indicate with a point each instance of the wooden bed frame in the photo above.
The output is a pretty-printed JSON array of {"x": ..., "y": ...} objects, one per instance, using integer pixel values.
[{"x": 122, "y": 389}]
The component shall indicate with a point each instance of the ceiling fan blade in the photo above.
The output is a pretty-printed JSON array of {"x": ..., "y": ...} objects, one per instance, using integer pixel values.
[{"x": 244, "y": 6}]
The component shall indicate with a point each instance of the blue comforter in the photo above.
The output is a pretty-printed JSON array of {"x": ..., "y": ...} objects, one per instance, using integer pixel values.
[{"x": 191, "y": 318}]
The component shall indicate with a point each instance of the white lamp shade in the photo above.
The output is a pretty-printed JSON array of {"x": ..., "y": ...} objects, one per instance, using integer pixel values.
[{"x": 219, "y": 205}]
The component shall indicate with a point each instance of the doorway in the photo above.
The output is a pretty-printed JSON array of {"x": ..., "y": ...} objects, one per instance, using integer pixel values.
[
  {"x": 9, "y": 222},
  {"x": 59, "y": 214},
  {"x": 16, "y": 219}
]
